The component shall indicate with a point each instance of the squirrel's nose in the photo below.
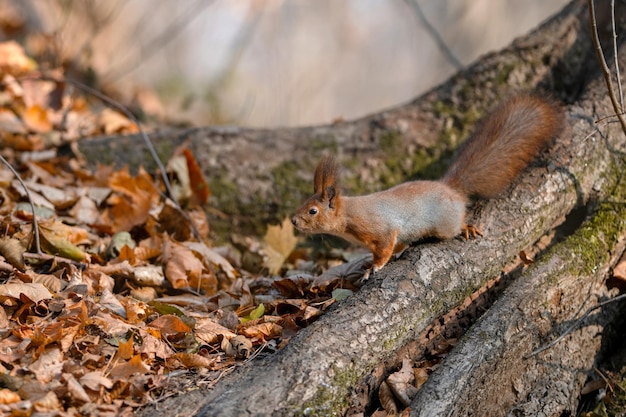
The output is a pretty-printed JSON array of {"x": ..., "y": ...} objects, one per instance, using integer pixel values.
[{"x": 293, "y": 220}]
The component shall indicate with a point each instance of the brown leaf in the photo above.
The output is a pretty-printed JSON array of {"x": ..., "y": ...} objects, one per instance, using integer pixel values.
[
  {"x": 181, "y": 265},
  {"x": 48, "y": 403},
  {"x": 85, "y": 211},
  {"x": 48, "y": 366},
  {"x": 386, "y": 399},
  {"x": 10, "y": 123},
  {"x": 192, "y": 360},
  {"x": 212, "y": 259},
  {"x": 211, "y": 332},
  {"x": 127, "y": 369},
  {"x": 130, "y": 205},
  {"x": 34, "y": 291},
  {"x": 170, "y": 325},
  {"x": 75, "y": 389},
  {"x": 125, "y": 349},
  {"x": 149, "y": 275},
  {"x": 95, "y": 380},
  {"x": 263, "y": 331},
  {"x": 175, "y": 223},
  {"x": 12, "y": 250},
  {"x": 199, "y": 187}
]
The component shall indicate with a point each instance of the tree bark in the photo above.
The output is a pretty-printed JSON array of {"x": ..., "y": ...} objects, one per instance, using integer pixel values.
[{"x": 334, "y": 365}]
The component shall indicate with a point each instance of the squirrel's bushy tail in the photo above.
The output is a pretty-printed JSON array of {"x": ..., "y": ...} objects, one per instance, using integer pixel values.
[{"x": 503, "y": 144}]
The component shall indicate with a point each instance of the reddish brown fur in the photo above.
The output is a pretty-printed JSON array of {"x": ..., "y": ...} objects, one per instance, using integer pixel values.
[{"x": 503, "y": 144}]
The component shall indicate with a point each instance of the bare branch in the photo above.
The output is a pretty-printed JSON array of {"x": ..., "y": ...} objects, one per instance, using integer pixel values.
[
  {"x": 617, "y": 73},
  {"x": 605, "y": 68}
]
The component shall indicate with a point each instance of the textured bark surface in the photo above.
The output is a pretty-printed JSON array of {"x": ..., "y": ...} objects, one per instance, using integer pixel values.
[{"x": 327, "y": 368}]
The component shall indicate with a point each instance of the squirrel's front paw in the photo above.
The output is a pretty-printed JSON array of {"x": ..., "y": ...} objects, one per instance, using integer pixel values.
[{"x": 369, "y": 271}]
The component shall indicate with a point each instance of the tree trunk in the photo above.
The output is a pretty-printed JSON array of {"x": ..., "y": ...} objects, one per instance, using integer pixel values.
[{"x": 333, "y": 366}]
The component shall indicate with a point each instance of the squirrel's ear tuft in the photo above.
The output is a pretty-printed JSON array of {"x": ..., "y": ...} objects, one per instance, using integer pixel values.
[
  {"x": 325, "y": 175},
  {"x": 329, "y": 194}
]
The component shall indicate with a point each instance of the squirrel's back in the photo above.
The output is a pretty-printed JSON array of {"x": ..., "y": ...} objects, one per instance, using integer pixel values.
[{"x": 503, "y": 144}]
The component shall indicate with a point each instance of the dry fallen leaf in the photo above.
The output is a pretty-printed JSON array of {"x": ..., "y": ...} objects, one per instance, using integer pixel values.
[
  {"x": 281, "y": 241},
  {"x": 199, "y": 187},
  {"x": 400, "y": 383},
  {"x": 386, "y": 399},
  {"x": 36, "y": 119},
  {"x": 34, "y": 291},
  {"x": 181, "y": 266},
  {"x": 125, "y": 370},
  {"x": 13, "y": 60},
  {"x": 57, "y": 238},
  {"x": 114, "y": 122},
  {"x": 238, "y": 346}
]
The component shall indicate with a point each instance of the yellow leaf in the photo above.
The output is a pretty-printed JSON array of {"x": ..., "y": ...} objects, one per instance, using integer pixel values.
[
  {"x": 13, "y": 60},
  {"x": 281, "y": 241}
]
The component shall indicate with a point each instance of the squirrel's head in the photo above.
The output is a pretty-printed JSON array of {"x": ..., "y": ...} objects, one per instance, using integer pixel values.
[{"x": 319, "y": 214}]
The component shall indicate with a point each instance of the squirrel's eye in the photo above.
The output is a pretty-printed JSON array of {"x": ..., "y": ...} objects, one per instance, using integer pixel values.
[{"x": 313, "y": 211}]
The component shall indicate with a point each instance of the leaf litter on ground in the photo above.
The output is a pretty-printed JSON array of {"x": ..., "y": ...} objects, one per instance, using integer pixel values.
[{"x": 124, "y": 296}]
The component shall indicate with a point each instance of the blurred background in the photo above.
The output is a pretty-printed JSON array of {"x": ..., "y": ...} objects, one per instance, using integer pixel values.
[{"x": 266, "y": 63}]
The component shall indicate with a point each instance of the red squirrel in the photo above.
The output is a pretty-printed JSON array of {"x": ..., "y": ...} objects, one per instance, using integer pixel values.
[{"x": 486, "y": 164}]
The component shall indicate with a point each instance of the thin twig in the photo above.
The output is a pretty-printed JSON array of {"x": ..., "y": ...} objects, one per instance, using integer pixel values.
[
  {"x": 576, "y": 324},
  {"x": 605, "y": 68},
  {"x": 617, "y": 73},
  {"x": 434, "y": 34},
  {"x": 30, "y": 201}
]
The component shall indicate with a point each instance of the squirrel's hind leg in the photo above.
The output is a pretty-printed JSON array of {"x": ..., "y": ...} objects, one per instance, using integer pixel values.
[{"x": 469, "y": 230}]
